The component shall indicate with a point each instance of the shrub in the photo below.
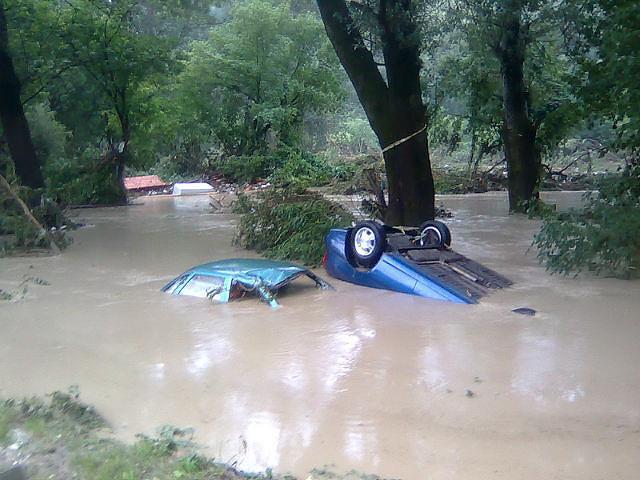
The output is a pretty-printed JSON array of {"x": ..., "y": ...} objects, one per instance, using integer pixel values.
[
  {"x": 18, "y": 232},
  {"x": 82, "y": 181},
  {"x": 283, "y": 166},
  {"x": 302, "y": 169},
  {"x": 287, "y": 225},
  {"x": 49, "y": 136},
  {"x": 604, "y": 237},
  {"x": 248, "y": 168}
]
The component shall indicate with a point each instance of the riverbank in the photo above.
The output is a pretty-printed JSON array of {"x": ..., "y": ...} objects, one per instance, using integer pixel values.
[{"x": 59, "y": 437}]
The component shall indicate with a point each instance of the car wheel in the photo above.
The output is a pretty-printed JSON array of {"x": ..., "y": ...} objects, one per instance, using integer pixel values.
[
  {"x": 365, "y": 244},
  {"x": 434, "y": 233}
]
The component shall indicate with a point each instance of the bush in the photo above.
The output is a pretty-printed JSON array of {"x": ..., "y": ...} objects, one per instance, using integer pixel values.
[
  {"x": 302, "y": 169},
  {"x": 284, "y": 166},
  {"x": 49, "y": 136},
  {"x": 82, "y": 181},
  {"x": 18, "y": 232},
  {"x": 248, "y": 168},
  {"x": 287, "y": 225},
  {"x": 604, "y": 237}
]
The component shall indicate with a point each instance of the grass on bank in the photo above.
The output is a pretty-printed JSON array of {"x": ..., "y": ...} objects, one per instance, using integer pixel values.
[{"x": 59, "y": 437}]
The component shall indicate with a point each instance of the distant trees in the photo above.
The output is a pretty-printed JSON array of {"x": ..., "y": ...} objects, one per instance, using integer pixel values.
[
  {"x": 513, "y": 50},
  {"x": 604, "y": 41},
  {"x": 252, "y": 81},
  {"x": 109, "y": 85},
  {"x": 106, "y": 41}
]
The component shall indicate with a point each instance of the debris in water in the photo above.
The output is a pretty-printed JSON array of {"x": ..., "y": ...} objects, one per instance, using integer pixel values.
[{"x": 524, "y": 311}]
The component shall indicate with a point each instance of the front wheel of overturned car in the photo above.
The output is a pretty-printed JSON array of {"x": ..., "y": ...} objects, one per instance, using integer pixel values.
[
  {"x": 366, "y": 242},
  {"x": 434, "y": 233}
]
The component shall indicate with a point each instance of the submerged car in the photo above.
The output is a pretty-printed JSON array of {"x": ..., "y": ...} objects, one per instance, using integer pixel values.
[
  {"x": 227, "y": 280},
  {"x": 416, "y": 261}
]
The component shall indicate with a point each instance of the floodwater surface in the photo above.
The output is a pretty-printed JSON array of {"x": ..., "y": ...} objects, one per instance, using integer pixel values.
[{"x": 377, "y": 381}]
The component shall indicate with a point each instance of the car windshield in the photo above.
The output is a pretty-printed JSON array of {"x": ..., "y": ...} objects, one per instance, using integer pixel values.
[{"x": 204, "y": 286}]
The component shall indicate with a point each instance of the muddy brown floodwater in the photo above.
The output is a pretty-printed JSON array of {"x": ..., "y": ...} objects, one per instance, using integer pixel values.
[{"x": 358, "y": 378}]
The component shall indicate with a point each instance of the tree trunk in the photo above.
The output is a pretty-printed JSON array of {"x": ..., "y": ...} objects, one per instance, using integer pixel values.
[
  {"x": 14, "y": 122},
  {"x": 122, "y": 153},
  {"x": 394, "y": 107},
  {"x": 518, "y": 131}
]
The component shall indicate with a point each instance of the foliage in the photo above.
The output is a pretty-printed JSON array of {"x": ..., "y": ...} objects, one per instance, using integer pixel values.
[
  {"x": 82, "y": 181},
  {"x": 18, "y": 233},
  {"x": 284, "y": 166},
  {"x": 352, "y": 136},
  {"x": 470, "y": 75},
  {"x": 287, "y": 225},
  {"x": 50, "y": 137},
  {"x": 604, "y": 34},
  {"x": 300, "y": 170},
  {"x": 248, "y": 86},
  {"x": 604, "y": 237}
]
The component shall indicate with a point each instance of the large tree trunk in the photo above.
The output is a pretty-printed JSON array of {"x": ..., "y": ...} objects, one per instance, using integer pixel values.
[
  {"x": 14, "y": 122},
  {"x": 518, "y": 131},
  {"x": 393, "y": 107}
]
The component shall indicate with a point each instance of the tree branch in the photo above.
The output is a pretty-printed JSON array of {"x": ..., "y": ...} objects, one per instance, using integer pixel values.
[{"x": 356, "y": 59}]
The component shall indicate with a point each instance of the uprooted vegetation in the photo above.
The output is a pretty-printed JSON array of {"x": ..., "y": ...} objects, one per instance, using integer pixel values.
[
  {"x": 27, "y": 227},
  {"x": 288, "y": 224},
  {"x": 58, "y": 436}
]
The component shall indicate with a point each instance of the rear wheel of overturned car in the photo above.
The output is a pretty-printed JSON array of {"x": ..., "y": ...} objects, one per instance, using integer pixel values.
[
  {"x": 365, "y": 244},
  {"x": 434, "y": 233}
]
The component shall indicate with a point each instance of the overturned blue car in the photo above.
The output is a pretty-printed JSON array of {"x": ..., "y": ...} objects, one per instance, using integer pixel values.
[
  {"x": 231, "y": 279},
  {"x": 417, "y": 261}
]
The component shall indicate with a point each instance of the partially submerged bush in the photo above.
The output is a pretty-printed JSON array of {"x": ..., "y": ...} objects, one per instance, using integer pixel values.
[
  {"x": 26, "y": 227},
  {"x": 604, "y": 237},
  {"x": 285, "y": 224}
]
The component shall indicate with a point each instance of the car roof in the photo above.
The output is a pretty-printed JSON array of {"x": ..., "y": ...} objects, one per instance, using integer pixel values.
[{"x": 271, "y": 272}]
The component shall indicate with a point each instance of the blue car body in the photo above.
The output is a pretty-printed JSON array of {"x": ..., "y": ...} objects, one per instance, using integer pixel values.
[
  {"x": 219, "y": 280},
  {"x": 464, "y": 282}
]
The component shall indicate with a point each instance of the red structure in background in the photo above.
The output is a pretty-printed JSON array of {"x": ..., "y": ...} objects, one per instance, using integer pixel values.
[{"x": 144, "y": 183}]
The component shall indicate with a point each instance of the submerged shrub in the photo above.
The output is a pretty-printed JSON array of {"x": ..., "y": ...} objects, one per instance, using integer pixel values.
[
  {"x": 604, "y": 237},
  {"x": 288, "y": 225}
]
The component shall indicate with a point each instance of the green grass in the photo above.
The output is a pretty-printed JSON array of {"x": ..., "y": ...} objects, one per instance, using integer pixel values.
[
  {"x": 63, "y": 426},
  {"x": 7, "y": 418}
]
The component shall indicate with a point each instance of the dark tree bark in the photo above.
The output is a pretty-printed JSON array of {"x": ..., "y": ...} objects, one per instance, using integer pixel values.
[
  {"x": 518, "y": 131},
  {"x": 14, "y": 122},
  {"x": 393, "y": 107}
]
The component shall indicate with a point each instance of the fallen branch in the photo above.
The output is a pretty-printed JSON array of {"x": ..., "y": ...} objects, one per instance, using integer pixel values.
[
  {"x": 27, "y": 213},
  {"x": 486, "y": 173}
]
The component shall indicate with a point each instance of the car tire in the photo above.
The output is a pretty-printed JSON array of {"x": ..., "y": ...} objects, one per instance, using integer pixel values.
[
  {"x": 366, "y": 242},
  {"x": 434, "y": 233}
]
